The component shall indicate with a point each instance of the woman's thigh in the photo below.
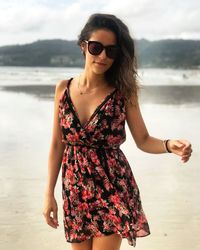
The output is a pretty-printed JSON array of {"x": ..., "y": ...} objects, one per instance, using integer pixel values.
[
  {"x": 110, "y": 242},
  {"x": 85, "y": 245}
]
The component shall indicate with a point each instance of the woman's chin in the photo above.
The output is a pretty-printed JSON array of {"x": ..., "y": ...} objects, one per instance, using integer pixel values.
[{"x": 99, "y": 70}]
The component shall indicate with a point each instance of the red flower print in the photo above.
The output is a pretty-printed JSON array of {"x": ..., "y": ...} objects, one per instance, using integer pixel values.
[
  {"x": 83, "y": 206},
  {"x": 66, "y": 204},
  {"x": 115, "y": 198},
  {"x": 111, "y": 162},
  {"x": 94, "y": 158},
  {"x": 113, "y": 139},
  {"x": 98, "y": 187},
  {"x": 87, "y": 194},
  {"x": 73, "y": 137}
]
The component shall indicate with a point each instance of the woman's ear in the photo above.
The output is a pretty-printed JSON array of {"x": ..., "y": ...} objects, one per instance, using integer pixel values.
[{"x": 83, "y": 47}]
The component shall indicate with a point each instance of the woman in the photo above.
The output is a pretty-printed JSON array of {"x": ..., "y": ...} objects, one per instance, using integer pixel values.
[{"x": 101, "y": 200}]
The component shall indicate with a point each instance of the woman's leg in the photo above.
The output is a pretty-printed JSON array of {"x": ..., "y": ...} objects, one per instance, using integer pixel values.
[
  {"x": 110, "y": 242},
  {"x": 85, "y": 245}
]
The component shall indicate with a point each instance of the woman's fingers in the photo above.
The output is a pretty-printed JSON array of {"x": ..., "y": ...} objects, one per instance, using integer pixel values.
[
  {"x": 186, "y": 151},
  {"x": 182, "y": 148},
  {"x": 178, "y": 143},
  {"x": 186, "y": 155},
  {"x": 176, "y": 147},
  {"x": 55, "y": 218},
  {"x": 185, "y": 159},
  {"x": 187, "y": 145},
  {"x": 50, "y": 212},
  {"x": 51, "y": 220}
]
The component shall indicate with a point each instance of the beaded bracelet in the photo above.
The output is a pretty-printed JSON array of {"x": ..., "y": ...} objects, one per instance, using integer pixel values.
[{"x": 166, "y": 147}]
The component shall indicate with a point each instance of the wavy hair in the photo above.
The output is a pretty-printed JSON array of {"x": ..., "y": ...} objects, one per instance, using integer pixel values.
[{"x": 123, "y": 72}]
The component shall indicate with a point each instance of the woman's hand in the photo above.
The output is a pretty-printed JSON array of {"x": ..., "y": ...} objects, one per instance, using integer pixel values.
[
  {"x": 50, "y": 207},
  {"x": 182, "y": 148}
]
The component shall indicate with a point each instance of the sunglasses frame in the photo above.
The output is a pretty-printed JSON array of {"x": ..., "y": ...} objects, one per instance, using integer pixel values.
[{"x": 102, "y": 48}]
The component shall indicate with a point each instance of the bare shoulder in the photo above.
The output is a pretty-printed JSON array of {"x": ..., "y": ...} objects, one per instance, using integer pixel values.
[
  {"x": 59, "y": 89},
  {"x": 133, "y": 113},
  {"x": 61, "y": 85},
  {"x": 132, "y": 104},
  {"x": 135, "y": 121}
]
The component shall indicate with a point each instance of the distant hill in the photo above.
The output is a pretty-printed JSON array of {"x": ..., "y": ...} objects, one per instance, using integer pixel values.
[
  {"x": 173, "y": 53},
  {"x": 58, "y": 53}
]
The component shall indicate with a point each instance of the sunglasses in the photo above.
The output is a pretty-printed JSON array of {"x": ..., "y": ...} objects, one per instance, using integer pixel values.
[{"x": 95, "y": 48}]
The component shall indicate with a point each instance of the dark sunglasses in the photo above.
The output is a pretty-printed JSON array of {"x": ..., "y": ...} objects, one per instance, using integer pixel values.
[{"x": 95, "y": 48}]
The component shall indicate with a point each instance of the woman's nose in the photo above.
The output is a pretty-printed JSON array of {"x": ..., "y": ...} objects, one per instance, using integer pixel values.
[{"x": 103, "y": 55}]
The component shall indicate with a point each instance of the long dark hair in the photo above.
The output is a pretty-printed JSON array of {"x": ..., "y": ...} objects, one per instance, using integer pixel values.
[{"x": 123, "y": 72}]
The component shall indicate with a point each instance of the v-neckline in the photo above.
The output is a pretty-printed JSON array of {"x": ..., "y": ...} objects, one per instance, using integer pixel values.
[{"x": 105, "y": 99}]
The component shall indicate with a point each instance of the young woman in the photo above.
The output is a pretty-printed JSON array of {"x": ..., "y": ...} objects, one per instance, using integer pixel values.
[{"x": 101, "y": 200}]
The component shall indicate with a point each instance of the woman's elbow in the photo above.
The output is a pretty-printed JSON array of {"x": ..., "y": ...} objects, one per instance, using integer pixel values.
[{"x": 142, "y": 142}]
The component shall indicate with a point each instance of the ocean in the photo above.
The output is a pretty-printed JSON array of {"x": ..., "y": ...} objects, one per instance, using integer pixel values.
[{"x": 170, "y": 105}]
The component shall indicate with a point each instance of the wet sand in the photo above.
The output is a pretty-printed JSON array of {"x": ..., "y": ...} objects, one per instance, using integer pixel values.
[
  {"x": 169, "y": 189},
  {"x": 165, "y": 94}
]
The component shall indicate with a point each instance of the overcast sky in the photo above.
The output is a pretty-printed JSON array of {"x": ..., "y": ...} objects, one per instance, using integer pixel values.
[{"x": 25, "y": 21}]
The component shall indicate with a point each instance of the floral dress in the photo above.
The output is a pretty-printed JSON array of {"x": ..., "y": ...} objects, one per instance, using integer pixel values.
[{"x": 100, "y": 194}]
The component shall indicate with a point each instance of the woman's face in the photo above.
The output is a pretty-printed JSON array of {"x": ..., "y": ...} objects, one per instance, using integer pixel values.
[{"x": 99, "y": 64}]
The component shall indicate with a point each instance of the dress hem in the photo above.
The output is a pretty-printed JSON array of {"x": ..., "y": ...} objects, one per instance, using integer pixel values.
[{"x": 133, "y": 243}]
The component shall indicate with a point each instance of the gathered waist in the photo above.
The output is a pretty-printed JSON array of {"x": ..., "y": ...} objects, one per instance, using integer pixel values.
[{"x": 98, "y": 147}]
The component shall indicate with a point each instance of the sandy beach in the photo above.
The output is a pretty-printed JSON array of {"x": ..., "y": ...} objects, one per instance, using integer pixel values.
[
  {"x": 169, "y": 188},
  {"x": 164, "y": 94}
]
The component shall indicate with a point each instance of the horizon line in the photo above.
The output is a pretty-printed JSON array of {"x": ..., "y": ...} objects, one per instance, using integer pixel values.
[{"x": 71, "y": 40}]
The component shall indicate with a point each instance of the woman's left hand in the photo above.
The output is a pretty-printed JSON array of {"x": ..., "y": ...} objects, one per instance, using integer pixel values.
[{"x": 182, "y": 148}]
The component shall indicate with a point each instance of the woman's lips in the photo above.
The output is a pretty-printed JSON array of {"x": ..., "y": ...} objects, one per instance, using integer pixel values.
[{"x": 100, "y": 63}]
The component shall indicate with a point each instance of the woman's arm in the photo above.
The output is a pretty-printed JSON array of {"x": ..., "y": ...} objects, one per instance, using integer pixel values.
[
  {"x": 54, "y": 161},
  {"x": 150, "y": 144}
]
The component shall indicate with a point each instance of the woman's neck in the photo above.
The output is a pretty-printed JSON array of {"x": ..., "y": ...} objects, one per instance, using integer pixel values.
[{"x": 89, "y": 80}]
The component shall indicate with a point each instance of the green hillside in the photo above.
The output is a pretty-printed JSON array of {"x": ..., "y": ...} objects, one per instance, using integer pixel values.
[
  {"x": 169, "y": 53},
  {"x": 59, "y": 53}
]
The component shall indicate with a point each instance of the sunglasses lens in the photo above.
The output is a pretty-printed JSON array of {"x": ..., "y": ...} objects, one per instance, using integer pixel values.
[
  {"x": 95, "y": 48},
  {"x": 112, "y": 51}
]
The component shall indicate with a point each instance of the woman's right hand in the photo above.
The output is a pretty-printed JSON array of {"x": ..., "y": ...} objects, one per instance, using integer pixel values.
[{"x": 50, "y": 211}]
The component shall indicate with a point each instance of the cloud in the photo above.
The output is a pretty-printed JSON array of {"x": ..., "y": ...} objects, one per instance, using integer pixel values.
[
  {"x": 160, "y": 19},
  {"x": 30, "y": 20}
]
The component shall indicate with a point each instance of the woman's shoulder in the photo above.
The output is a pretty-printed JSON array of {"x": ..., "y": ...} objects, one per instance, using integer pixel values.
[
  {"x": 60, "y": 88},
  {"x": 61, "y": 84}
]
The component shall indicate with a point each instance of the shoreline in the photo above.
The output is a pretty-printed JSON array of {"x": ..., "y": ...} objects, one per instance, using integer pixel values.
[{"x": 163, "y": 94}]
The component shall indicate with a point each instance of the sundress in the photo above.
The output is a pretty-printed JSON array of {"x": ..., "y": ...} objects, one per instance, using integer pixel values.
[{"x": 100, "y": 194}]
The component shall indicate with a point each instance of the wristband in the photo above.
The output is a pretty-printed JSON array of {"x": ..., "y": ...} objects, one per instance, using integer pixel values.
[{"x": 166, "y": 147}]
